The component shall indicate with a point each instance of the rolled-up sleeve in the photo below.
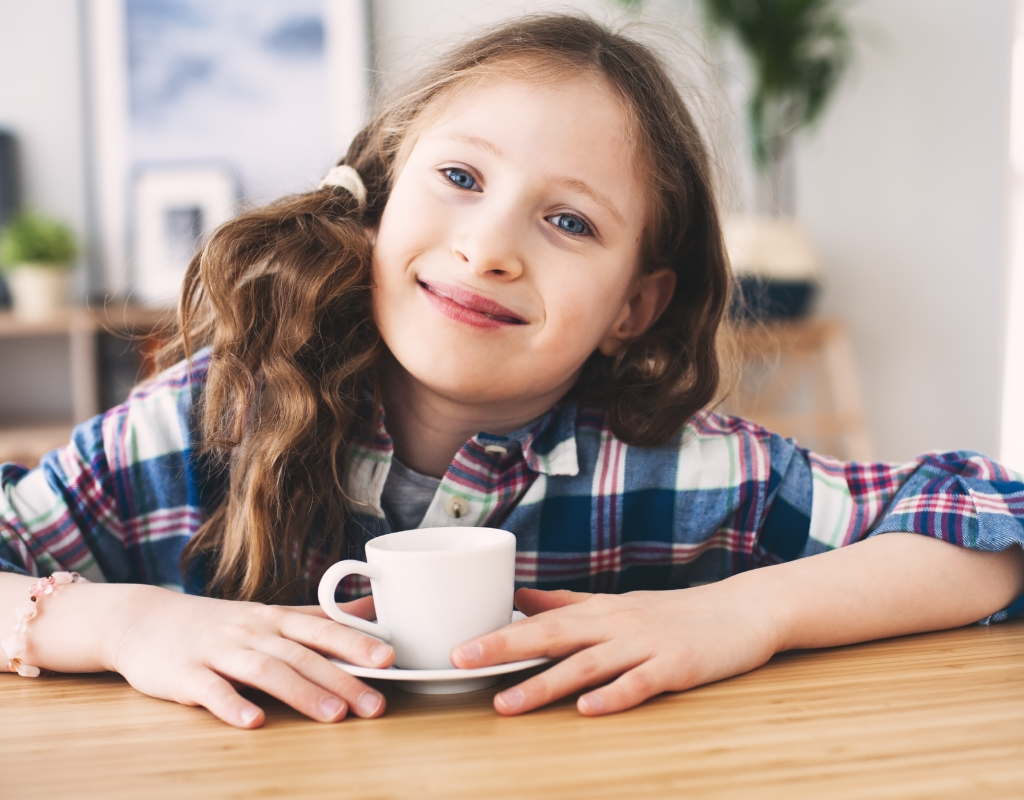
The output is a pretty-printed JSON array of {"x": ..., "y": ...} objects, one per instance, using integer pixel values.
[
  {"x": 959, "y": 497},
  {"x": 120, "y": 501}
]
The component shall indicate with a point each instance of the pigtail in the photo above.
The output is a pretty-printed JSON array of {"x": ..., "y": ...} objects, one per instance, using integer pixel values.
[{"x": 282, "y": 297}]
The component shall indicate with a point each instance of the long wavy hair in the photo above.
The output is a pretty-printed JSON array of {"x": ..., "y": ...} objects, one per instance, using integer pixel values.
[{"x": 282, "y": 296}]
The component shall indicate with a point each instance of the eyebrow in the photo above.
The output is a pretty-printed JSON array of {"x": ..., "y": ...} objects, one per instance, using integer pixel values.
[
  {"x": 586, "y": 189},
  {"x": 574, "y": 184},
  {"x": 476, "y": 141}
]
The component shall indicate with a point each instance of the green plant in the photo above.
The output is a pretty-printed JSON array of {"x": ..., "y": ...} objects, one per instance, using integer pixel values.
[
  {"x": 798, "y": 50},
  {"x": 30, "y": 238}
]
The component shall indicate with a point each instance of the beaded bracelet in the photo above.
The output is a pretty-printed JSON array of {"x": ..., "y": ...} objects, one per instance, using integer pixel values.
[{"x": 16, "y": 644}]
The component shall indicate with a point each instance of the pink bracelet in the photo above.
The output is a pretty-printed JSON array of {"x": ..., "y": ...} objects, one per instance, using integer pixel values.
[{"x": 16, "y": 644}]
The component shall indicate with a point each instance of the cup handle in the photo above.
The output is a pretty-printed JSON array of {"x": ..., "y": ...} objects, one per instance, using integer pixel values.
[{"x": 325, "y": 594}]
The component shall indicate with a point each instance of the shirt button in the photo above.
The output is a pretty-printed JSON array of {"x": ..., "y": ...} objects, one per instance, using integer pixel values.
[
  {"x": 496, "y": 450},
  {"x": 456, "y": 507}
]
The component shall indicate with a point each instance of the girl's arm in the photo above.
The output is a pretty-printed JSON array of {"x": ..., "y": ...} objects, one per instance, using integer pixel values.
[
  {"x": 196, "y": 650},
  {"x": 116, "y": 505},
  {"x": 643, "y": 643}
]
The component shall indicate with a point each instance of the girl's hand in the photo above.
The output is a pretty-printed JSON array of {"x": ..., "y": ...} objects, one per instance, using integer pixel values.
[
  {"x": 639, "y": 644},
  {"x": 196, "y": 650},
  {"x": 644, "y": 643}
]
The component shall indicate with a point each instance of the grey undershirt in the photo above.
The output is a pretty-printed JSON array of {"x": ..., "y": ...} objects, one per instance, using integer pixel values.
[{"x": 407, "y": 495}]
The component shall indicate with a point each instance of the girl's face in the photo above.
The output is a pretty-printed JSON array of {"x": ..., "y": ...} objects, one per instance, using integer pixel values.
[{"x": 508, "y": 250}]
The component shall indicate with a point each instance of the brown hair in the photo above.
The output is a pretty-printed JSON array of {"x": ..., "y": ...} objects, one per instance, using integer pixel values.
[{"x": 282, "y": 295}]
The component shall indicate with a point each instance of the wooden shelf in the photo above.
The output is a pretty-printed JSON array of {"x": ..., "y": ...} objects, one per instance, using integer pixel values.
[
  {"x": 88, "y": 320},
  {"x": 27, "y": 441}
]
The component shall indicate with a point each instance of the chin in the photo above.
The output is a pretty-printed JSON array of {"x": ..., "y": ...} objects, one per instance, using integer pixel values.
[{"x": 474, "y": 391}]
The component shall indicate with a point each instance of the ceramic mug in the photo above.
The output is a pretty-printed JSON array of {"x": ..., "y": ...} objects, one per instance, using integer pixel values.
[{"x": 434, "y": 588}]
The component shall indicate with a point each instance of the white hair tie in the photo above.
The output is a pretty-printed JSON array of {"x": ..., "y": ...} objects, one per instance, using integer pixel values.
[{"x": 345, "y": 177}]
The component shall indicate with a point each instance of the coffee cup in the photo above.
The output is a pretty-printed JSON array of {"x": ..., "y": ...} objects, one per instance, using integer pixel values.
[{"x": 433, "y": 588}]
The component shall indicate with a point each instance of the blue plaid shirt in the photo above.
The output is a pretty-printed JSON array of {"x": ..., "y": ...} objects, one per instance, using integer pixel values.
[{"x": 588, "y": 511}]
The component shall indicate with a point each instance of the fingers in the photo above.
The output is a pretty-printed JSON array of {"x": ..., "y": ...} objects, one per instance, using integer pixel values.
[
  {"x": 271, "y": 675},
  {"x": 329, "y": 637},
  {"x": 364, "y": 701},
  {"x": 291, "y": 674},
  {"x": 629, "y": 690},
  {"x": 589, "y": 667},
  {"x": 362, "y": 608},
  {"x": 213, "y": 692},
  {"x": 601, "y": 639},
  {"x": 554, "y": 635},
  {"x": 535, "y": 601}
]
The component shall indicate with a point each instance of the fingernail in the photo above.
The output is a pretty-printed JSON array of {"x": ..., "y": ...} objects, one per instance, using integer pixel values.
[
  {"x": 368, "y": 703},
  {"x": 471, "y": 651},
  {"x": 380, "y": 653},
  {"x": 591, "y": 703},
  {"x": 330, "y": 707},
  {"x": 511, "y": 699},
  {"x": 249, "y": 714}
]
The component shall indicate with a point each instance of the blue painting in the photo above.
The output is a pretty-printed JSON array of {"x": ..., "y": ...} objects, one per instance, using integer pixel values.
[{"x": 238, "y": 82}]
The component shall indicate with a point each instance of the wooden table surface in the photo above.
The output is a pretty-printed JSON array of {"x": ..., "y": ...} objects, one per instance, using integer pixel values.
[{"x": 932, "y": 716}]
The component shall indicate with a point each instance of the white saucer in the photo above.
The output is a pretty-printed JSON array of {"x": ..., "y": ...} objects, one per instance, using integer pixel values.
[{"x": 443, "y": 681}]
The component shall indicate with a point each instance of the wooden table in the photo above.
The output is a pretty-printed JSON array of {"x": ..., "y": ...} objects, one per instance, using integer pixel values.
[{"x": 933, "y": 716}]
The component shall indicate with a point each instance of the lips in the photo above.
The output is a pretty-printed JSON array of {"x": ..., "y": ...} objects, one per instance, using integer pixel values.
[{"x": 465, "y": 306}]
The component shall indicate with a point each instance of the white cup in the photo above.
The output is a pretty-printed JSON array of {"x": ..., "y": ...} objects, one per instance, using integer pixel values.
[{"x": 433, "y": 588}]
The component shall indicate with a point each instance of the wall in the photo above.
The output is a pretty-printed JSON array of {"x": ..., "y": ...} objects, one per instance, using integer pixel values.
[
  {"x": 1012, "y": 444},
  {"x": 41, "y": 101},
  {"x": 409, "y": 32},
  {"x": 904, "y": 190}
]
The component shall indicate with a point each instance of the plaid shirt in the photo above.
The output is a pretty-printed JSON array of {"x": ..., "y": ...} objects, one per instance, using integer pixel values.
[{"x": 589, "y": 512}]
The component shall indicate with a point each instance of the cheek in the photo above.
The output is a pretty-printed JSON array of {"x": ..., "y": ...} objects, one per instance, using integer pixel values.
[
  {"x": 582, "y": 307},
  {"x": 409, "y": 226}
]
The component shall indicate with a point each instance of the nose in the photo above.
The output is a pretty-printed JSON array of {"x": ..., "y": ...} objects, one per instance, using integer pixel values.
[{"x": 491, "y": 244}]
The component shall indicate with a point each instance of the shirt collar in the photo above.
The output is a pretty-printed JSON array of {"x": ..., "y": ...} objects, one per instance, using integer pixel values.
[{"x": 548, "y": 443}]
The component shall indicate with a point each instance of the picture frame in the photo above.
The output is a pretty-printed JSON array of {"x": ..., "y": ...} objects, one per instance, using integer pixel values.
[
  {"x": 176, "y": 208},
  {"x": 337, "y": 105}
]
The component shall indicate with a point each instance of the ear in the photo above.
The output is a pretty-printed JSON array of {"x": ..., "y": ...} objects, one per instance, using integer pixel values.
[{"x": 649, "y": 299}]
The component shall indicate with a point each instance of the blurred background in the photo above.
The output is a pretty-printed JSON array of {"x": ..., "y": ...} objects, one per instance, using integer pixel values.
[{"x": 893, "y": 208}]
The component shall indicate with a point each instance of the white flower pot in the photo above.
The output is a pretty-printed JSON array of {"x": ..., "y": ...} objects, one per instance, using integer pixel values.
[{"x": 38, "y": 292}]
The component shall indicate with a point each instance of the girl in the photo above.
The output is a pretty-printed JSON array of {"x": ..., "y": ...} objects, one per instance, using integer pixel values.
[{"x": 510, "y": 320}]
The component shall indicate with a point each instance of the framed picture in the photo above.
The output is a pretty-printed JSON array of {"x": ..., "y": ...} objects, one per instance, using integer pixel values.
[
  {"x": 194, "y": 101},
  {"x": 176, "y": 208}
]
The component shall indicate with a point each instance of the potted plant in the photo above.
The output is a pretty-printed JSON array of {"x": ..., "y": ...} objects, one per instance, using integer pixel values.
[
  {"x": 798, "y": 51},
  {"x": 36, "y": 255}
]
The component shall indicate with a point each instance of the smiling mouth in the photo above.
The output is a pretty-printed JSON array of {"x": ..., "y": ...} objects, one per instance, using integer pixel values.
[{"x": 468, "y": 307}]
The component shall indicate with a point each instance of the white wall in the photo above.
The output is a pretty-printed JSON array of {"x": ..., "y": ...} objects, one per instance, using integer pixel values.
[
  {"x": 41, "y": 102},
  {"x": 1012, "y": 444},
  {"x": 408, "y": 32},
  {"x": 904, "y": 190}
]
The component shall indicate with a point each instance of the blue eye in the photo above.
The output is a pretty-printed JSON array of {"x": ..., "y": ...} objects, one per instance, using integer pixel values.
[
  {"x": 574, "y": 226},
  {"x": 460, "y": 178}
]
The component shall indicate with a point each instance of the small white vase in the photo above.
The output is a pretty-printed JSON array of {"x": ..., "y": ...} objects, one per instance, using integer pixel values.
[{"x": 38, "y": 292}]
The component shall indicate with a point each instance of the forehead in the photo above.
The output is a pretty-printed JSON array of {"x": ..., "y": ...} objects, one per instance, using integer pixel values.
[{"x": 575, "y": 117}]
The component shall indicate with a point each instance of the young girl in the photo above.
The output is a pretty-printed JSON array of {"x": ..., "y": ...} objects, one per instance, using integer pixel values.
[{"x": 501, "y": 312}]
